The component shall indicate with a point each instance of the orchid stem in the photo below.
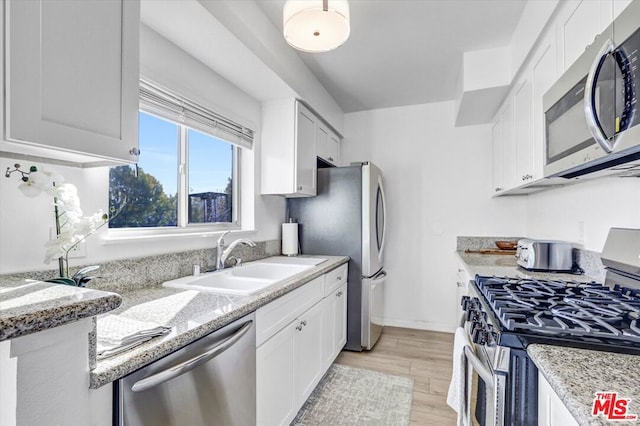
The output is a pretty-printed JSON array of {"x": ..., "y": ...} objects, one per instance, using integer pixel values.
[{"x": 61, "y": 266}]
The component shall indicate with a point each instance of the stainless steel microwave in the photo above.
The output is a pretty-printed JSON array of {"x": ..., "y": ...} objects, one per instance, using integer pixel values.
[{"x": 591, "y": 117}]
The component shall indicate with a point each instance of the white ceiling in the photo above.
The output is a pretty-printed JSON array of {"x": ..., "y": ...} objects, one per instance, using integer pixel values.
[{"x": 406, "y": 52}]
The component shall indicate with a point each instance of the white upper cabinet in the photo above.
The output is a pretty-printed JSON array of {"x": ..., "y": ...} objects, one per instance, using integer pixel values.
[
  {"x": 71, "y": 79},
  {"x": 288, "y": 152},
  {"x": 578, "y": 22},
  {"x": 519, "y": 127},
  {"x": 523, "y": 130},
  {"x": 497, "y": 156},
  {"x": 292, "y": 137},
  {"x": 544, "y": 72},
  {"x": 508, "y": 144},
  {"x": 327, "y": 144},
  {"x": 305, "y": 152}
]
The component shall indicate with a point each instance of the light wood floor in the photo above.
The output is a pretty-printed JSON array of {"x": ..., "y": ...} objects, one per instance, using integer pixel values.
[{"x": 424, "y": 356}]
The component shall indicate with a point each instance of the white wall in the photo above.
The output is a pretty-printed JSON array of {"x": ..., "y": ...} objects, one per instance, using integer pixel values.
[
  {"x": 584, "y": 212},
  {"x": 26, "y": 223},
  {"x": 438, "y": 184}
]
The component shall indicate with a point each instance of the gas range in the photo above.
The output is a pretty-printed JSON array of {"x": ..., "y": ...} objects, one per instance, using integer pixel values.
[
  {"x": 502, "y": 316},
  {"x": 515, "y": 312}
]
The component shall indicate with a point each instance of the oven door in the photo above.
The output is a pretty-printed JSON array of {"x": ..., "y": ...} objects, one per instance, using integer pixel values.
[
  {"x": 486, "y": 405},
  {"x": 486, "y": 383}
]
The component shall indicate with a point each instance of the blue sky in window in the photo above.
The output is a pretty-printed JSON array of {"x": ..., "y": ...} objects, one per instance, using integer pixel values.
[
  {"x": 210, "y": 162},
  {"x": 210, "y": 159}
]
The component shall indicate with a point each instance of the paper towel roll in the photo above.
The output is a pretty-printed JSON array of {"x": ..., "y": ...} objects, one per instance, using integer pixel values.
[{"x": 290, "y": 239}]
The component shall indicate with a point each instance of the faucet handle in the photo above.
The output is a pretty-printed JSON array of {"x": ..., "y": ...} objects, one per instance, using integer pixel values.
[
  {"x": 221, "y": 239},
  {"x": 236, "y": 259}
]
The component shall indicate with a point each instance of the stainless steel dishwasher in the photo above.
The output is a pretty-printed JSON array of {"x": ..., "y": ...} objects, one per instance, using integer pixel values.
[{"x": 209, "y": 382}]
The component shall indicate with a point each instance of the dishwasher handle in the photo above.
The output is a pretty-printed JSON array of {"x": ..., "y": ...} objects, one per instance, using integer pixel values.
[{"x": 183, "y": 367}]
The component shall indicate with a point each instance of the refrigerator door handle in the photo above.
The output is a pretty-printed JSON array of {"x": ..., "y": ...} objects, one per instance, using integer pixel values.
[
  {"x": 384, "y": 218},
  {"x": 378, "y": 276}
]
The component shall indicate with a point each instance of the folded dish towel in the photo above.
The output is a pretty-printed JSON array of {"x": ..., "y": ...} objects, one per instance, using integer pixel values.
[
  {"x": 116, "y": 334},
  {"x": 460, "y": 387}
]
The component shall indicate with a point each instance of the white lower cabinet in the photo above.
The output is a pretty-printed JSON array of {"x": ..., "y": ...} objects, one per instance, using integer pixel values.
[
  {"x": 334, "y": 335},
  {"x": 307, "y": 349},
  {"x": 276, "y": 397},
  {"x": 299, "y": 336},
  {"x": 551, "y": 410}
]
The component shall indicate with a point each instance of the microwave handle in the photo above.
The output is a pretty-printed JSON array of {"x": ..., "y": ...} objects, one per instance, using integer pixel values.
[{"x": 590, "y": 112}]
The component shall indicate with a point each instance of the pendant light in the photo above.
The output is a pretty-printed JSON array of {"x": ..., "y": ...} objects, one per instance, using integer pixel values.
[{"x": 316, "y": 25}]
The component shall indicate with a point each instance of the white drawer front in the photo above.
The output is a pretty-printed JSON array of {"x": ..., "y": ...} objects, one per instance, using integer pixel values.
[
  {"x": 334, "y": 279},
  {"x": 274, "y": 316}
]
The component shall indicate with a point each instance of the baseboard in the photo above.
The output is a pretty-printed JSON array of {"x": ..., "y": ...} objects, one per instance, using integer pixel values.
[{"x": 420, "y": 325}]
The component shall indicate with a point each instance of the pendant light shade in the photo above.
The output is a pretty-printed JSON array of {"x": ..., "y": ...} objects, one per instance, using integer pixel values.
[{"x": 316, "y": 25}]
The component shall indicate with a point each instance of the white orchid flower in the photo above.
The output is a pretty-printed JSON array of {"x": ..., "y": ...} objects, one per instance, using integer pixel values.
[
  {"x": 67, "y": 198},
  {"x": 71, "y": 227},
  {"x": 37, "y": 183}
]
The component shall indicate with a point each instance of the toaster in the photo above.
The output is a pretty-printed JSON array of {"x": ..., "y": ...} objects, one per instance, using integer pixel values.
[{"x": 544, "y": 255}]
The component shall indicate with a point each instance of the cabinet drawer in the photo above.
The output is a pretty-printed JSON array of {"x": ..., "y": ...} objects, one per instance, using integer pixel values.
[
  {"x": 276, "y": 315},
  {"x": 334, "y": 279}
]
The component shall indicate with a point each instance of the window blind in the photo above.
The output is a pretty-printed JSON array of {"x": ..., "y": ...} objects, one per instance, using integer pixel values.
[{"x": 166, "y": 104}]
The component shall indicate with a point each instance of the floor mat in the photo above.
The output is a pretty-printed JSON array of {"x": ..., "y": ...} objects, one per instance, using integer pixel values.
[{"x": 354, "y": 396}]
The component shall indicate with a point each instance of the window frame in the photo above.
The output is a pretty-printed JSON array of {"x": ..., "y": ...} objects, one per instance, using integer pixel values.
[{"x": 183, "y": 227}]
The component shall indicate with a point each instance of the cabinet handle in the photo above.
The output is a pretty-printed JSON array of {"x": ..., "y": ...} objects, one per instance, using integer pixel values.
[
  {"x": 330, "y": 159},
  {"x": 134, "y": 151},
  {"x": 498, "y": 189},
  {"x": 299, "y": 328},
  {"x": 339, "y": 294},
  {"x": 339, "y": 277},
  {"x": 303, "y": 322},
  {"x": 300, "y": 188}
]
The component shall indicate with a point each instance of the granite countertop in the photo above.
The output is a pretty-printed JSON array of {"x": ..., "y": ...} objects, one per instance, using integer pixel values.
[
  {"x": 191, "y": 315},
  {"x": 504, "y": 265},
  {"x": 29, "y": 306},
  {"x": 577, "y": 374}
]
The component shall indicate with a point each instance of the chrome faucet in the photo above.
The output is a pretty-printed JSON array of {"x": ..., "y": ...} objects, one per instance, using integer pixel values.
[{"x": 222, "y": 252}]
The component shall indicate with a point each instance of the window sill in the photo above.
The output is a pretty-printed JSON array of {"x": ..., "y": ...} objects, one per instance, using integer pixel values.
[{"x": 114, "y": 236}]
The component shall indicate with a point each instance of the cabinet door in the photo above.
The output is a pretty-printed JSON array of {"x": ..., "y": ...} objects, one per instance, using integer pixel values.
[
  {"x": 322, "y": 140},
  {"x": 334, "y": 320},
  {"x": 72, "y": 76},
  {"x": 340, "y": 324},
  {"x": 328, "y": 329},
  {"x": 508, "y": 146},
  {"x": 308, "y": 352},
  {"x": 333, "y": 149},
  {"x": 523, "y": 131},
  {"x": 579, "y": 21},
  {"x": 305, "y": 146},
  {"x": 544, "y": 74},
  {"x": 276, "y": 398},
  {"x": 551, "y": 409},
  {"x": 497, "y": 155}
]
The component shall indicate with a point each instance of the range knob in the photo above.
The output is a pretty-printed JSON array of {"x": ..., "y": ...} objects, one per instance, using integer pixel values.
[
  {"x": 479, "y": 336},
  {"x": 465, "y": 302}
]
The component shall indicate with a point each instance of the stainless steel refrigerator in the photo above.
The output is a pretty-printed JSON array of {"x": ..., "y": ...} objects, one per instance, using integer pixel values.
[{"x": 347, "y": 217}]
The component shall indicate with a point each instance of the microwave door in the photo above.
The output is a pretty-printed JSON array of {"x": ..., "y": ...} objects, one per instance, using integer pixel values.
[{"x": 599, "y": 96}]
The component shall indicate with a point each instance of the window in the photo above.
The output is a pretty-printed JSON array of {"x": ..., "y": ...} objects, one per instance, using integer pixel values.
[{"x": 187, "y": 170}]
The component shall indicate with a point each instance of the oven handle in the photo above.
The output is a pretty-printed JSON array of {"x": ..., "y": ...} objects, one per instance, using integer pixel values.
[
  {"x": 475, "y": 362},
  {"x": 591, "y": 115},
  {"x": 183, "y": 367}
]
